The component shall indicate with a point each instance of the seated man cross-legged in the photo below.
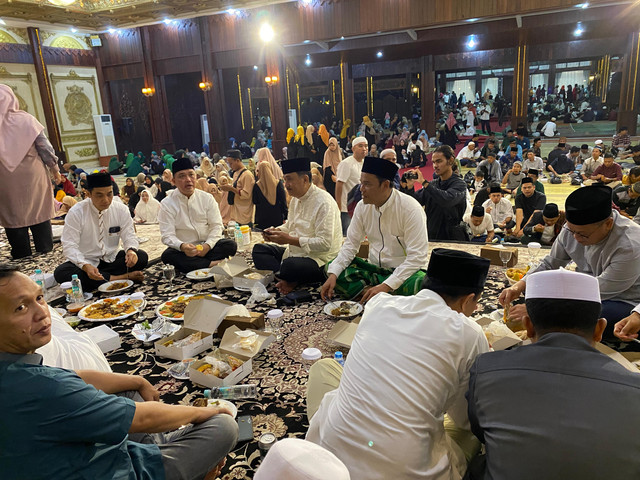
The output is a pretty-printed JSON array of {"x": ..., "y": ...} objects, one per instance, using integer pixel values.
[
  {"x": 58, "y": 423},
  {"x": 311, "y": 236},
  {"x": 91, "y": 239},
  {"x": 383, "y": 415},
  {"x": 395, "y": 225},
  {"x": 191, "y": 224}
]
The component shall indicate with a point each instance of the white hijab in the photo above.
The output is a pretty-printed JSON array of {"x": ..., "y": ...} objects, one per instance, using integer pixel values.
[{"x": 147, "y": 212}]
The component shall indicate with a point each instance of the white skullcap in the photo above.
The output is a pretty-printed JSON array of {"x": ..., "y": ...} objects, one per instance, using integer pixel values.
[
  {"x": 562, "y": 284},
  {"x": 599, "y": 142},
  {"x": 471, "y": 143},
  {"x": 296, "y": 459},
  {"x": 386, "y": 151},
  {"x": 358, "y": 141}
]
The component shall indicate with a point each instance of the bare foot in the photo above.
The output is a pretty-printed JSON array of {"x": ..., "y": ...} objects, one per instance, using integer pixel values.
[
  {"x": 137, "y": 276},
  {"x": 213, "y": 474},
  {"x": 285, "y": 287}
]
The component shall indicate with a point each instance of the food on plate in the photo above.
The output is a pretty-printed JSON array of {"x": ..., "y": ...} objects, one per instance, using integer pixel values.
[
  {"x": 343, "y": 310},
  {"x": 137, "y": 302},
  {"x": 74, "y": 307},
  {"x": 200, "y": 402},
  {"x": 175, "y": 308},
  {"x": 253, "y": 276},
  {"x": 234, "y": 362},
  {"x": 117, "y": 286},
  {"x": 516, "y": 274},
  {"x": 109, "y": 308},
  {"x": 215, "y": 370},
  {"x": 201, "y": 273}
]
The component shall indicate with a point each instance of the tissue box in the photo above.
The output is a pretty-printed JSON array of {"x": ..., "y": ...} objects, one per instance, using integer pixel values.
[
  {"x": 104, "y": 337},
  {"x": 202, "y": 315},
  {"x": 493, "y": 254},
  {"x": 229, "y": 339},
  {"x": 363, "y": 251},
  {"x": 254, "y": 322}
]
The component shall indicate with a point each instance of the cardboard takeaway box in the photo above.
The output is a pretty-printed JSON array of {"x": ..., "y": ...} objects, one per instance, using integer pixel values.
[
  {"x": 343, "y": 332},
  {"x": 254, "y": 322},
  {"x": 493, "y": 254},
  {"x": 238, "y": 269},
  {"x": 509, "y": 339},
  {"x": 106, "y": 338},
  {"x": 229, "y": 339},
  {"x": 202, "y": 315}
]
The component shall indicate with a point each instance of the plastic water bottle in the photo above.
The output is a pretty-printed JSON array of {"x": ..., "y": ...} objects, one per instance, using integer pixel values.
[
  {"x": 338, "y": 357},
  {"x": 77, "y": 294},
  {"x": 238, "y": 235},
  {"x": 234, "y": 392},
  {"x": 39, "y": 279}
]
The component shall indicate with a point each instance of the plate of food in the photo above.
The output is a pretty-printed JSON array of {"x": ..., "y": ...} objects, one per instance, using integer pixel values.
[
  {"x": 115, "y": 308},
  {"x": 216, "y": 402},
  {"x": 342, "y": 309},
  {"x": 200, "y": 274},
  {"x": 115, "y": 286},
  {"x": 173, "y": 309},
  {"x": 514, "y": 275}
]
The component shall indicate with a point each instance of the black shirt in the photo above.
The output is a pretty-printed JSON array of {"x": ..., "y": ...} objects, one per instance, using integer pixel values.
[
  {"x": 445, "y": 202},
  {"x": 537, "y": 201},
  {"x": 268, "y": 215}
]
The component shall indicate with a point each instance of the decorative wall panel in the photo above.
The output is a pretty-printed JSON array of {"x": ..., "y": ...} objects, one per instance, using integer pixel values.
[{"x": 22, "y": 79}]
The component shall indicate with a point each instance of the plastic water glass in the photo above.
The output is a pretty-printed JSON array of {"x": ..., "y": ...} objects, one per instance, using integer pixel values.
[
  {"x": 310, "y": 356},
  {"x": 274, "y": 322}
]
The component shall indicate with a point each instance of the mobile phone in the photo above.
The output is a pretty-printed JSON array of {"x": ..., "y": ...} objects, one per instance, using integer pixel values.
[
  {"x": 245, "y": 428},
  {"x": 297, "y": 297}
]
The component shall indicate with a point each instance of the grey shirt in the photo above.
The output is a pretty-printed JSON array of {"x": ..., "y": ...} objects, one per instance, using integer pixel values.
[
  {"x": 615, "y": 261},
  {"x": 494, "y": 172}
]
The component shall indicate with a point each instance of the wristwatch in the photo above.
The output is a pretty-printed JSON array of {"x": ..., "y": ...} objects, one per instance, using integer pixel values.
[
  {"x": 423, "y": 183},
  {"x": 134, "y": 250}
]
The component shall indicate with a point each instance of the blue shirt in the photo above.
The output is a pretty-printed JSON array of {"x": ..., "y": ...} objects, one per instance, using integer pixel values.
[{"x": 54, "y": 425}]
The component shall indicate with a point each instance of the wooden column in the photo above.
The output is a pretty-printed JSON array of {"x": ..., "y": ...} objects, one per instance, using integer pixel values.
[
  {"x": 213, "y": 98},
  {"x": 428, "y": 96},
  {"x": 277, "y": 99},
  {"x": 630, "y": 91},
  {"x": 520, "y": 96},
  {"x": 346, "y": 86},
  {"x": 53, "y": 130},
  {"x": 161, "y": 136},
  {"x": 551, "y": 81}
]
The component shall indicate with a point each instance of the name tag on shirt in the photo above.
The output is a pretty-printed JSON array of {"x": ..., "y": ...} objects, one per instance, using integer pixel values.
[{"x": 114, "y": 229}]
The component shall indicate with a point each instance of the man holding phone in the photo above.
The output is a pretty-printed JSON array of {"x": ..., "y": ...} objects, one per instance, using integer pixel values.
[{"x": 310, "y": 238}]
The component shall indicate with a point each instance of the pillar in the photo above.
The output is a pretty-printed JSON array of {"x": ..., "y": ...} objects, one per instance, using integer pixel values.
[
  {"x": 161, "y": 135},
  {"x": 346, "y": 85},
  {"x": 277, "y": 98},
  {"x": 630, "y": 91},
  {"x": 428, "y": 96},
  {"x": 520, "y": 95},
  {"x": 42, "y": 76}
]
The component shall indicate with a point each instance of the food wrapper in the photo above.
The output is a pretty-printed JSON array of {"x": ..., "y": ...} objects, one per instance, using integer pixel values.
[
  {"x": 220, "y": 364},
  {"x": 248, "y": 340},
  {"x": 238, "y": 311},
  {"x": 495, "y": 330},
  {"x": 258, "y": 294},
  {"x": 194, "y": 337}
]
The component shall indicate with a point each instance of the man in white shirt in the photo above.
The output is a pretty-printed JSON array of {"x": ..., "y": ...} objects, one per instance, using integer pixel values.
[
  {"x": 500, "y": 209},
  {"x": 550, "y": 128},
  {"x": 531, "y": 161},
  {"x": 91, "y": 239},
  {"x": 481, "y": 225},
  {"x": 485, "y": 115},
  {"x": 408, "y": 366},
  {"x": 469, "y": 155},
  {"x": 311, "y": 237},
  {"x": 395, "y": 225},
  {"x": 348, "y": 176},
  {"x": 191, "y": 224},
  {"x": 589, "y": 166}
]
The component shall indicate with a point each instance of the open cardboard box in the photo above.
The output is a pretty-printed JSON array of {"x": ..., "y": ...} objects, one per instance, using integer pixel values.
[
  {"x": 493, "y": 254},
  {"x": 238, "y": 269},
  {"x": 509, "y": 339},
  {"x": 229, "y": 339},
  {"x": 202, "y": 315},
  {"x": 343, "y": 332},
  {"x": 254, "y": 322}
]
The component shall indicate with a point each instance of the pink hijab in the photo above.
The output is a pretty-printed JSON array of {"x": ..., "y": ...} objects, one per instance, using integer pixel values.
[
  {"x": 19, "y": 130},
  {"x": 264, "y": 155},
  {"x": 451, "y": 121}
]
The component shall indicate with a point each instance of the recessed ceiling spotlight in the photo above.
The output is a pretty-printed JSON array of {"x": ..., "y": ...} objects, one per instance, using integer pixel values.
[
  {"x": 73, "y": 29},
  {"x": 342, "y": 37},
  {"x": 266, "y": 33},
  {"x": 112, "y": 30},
  {"x": 306, "y": 41},
  {"x": 307, "y": 61},
  {"x": 167, "y": 21},
  {"x": 583, "y": 5},
  {"x": 255, "y": 67},
  {"x": 471, "y": 20},
  {"x": 472, "y": 42},
  {"x": 379, "y": 54},
  {"x": 2, "y": 22},
  {"x": 579, "y": 30}
]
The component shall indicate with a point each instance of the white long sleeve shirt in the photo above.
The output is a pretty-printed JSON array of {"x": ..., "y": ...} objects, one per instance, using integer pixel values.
[
  {"x": 385, "y": 420},
  {"x": 348, "y": 173},
  {"x": 81, "y": 234},
  {"x": 500, "y": 211},
  {"x": 315, "y": 219},
  {"x": 195, "y": 219},
  {"x": 397, "y": 234}
]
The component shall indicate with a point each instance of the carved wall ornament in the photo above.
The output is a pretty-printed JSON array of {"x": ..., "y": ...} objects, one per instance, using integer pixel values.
[{"x": 78, "y": 106}]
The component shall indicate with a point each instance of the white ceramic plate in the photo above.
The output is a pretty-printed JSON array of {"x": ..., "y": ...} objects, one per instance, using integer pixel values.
[
  {"x": 81, "y": 313},
  {"x": 219, "y": 402},
  {"x": 104, "y": 288},
  {"x": 201, "y": 274},
  {"x": 354, "y": 308}
]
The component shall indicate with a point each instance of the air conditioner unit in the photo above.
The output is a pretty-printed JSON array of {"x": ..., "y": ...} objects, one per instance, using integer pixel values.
[
  {"x": 104, "y": 135},
  {"x": 204, "y": 125}
]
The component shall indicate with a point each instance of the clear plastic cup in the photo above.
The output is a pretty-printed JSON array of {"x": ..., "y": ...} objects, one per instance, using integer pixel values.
[
  {"x": 274, "y": 322},
  {"x": 310, "y": 356}
]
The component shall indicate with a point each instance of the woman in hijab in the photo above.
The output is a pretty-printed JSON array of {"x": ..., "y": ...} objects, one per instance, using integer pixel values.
[
  {"x": 163, "y": 189},
  {"x": 134, "y": 167},
  {"x": 269, "y": 198},
  {"x": 167, "y": 176},
  {"x": 140, "y": 180},
  {"x": 168, "y": 161},
  {"x": 344, "y": 133},
  {"x": 369, "y": 131},
  {"x": 316, "y": 175},
  {"x": 134, "y": 199},
  {"x": 450, "y": 137},
  {"x": 234, "y": 144},
  {"x": 129, "y": 188},
  {"x": 322, "y": 142},
  {"x": 332, "y": 157},
  {"x": 310, "y": 140},
  {"x": 23, "y": 144},
  {"x": 147, "y": 209},
  {"x": 221, "y": 167},
  {"x": 115, "y": 166},
  {"x": 203, "y": 184},
  {"x": 292, "y": 147},
  {"x": 302, "y": 143},
  {"x": 264, "y": 155},
  {"x": 222, "y": 197},
  {"x": 150, "y": 185},
  {"x": 207, "y": 167},
  {"x": 63, "y": 207}
]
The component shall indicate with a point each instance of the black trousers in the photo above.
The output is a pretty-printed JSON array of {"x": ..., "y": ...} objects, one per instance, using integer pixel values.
[
  {"x": 118, "y": 267},
  {"x": 224, "y": 248},
  {"x": 292, "y": 269},
  {"x": 486, "y": 126},
  {"x": 20, "y": 243}
]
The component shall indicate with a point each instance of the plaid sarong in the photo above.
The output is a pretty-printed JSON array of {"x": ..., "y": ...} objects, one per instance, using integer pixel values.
[{"x": 361, "y": 273}]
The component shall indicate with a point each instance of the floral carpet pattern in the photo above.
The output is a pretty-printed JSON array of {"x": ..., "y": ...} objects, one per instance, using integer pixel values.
[{"x": 280, "y": 407}]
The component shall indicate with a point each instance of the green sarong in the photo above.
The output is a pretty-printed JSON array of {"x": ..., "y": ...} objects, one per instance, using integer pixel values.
[{"x": 360, "y": 274}]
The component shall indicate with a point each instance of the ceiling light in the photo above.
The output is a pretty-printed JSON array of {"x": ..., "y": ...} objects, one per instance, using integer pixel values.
[
  {"x": 307, "y": 61},
  {"x": 73, "y": 29},
  {"x": 471, "y": 20},
  {"x": 112, "y": 30},
  {"x": 472, "y": 42},
  {"x": 2, "y": 22},
  {"x": 255, "y": 67},
  {"x": 379, "y": 54},
  {"x": 583, "y": 5},
  {"x": 306, "y": 41},
  {"x": 233, "y": 11},
  {"x": 342, "y": 37},
  {"x": 306, "y": 2},
  {"x": 266, "y": 33},
  {"x": 61, "y": 3},
  {"x": 579, "y": 30},
  {"x": 166, "y": 21}
]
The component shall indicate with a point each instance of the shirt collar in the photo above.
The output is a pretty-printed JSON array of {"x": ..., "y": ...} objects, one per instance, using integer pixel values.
[
  {"x": 307, "y": 195},
  {"x": 94, "y": 209},
  {"x": 564, "y": 340},
  {"x": 28, "y": 358},
  {"x": 390, "y": 201}
]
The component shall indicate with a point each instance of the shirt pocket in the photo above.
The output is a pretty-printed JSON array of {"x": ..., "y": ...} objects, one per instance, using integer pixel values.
[{"x": 112, "y": 239}]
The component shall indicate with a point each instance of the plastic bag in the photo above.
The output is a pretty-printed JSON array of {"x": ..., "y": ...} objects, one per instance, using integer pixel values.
[
  {"x": 247, "y": 340},
  {"x": 258, "y": 294}
]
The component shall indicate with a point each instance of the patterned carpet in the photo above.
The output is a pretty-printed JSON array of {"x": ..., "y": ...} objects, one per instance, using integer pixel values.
[{"x": 280, "y": 407}]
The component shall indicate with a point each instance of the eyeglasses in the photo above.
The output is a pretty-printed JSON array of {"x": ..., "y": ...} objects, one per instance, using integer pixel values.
[{"x": 581, "y": 235}]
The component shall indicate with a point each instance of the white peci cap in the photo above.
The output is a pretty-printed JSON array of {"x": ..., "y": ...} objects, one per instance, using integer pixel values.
[
  {"x": 358, "y": 141},
  {"x": 296, "y": 459},
  {"x": 563, "y": 284},
  {"x": 599, "y": 142}
]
